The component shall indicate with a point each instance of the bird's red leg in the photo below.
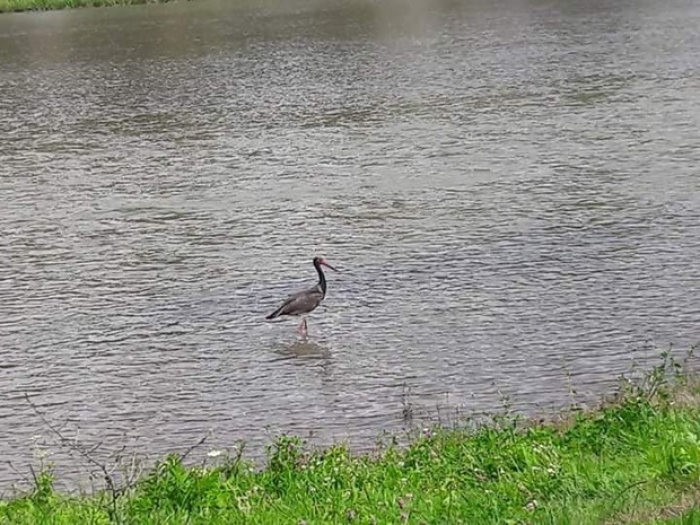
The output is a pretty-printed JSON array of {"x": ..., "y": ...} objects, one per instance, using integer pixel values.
[{"x": 301, "y": 329}]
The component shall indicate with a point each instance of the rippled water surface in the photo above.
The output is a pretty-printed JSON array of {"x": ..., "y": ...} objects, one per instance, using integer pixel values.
[{"x": 510, "y": 191}]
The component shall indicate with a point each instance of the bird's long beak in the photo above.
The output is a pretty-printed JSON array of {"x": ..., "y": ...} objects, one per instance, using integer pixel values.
[{"x": 324, "y": 263}]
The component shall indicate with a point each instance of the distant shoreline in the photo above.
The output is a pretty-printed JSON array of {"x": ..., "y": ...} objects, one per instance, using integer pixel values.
[{"x": 15, "y": 6}]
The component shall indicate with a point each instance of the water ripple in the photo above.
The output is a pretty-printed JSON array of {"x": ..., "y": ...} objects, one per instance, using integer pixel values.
[{"x": 511, "y": 196}]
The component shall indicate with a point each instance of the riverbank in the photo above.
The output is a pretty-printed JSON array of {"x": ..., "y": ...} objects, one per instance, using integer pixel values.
[
  {"x": 634, "y": 459},
  {"x": 7, "y": 6}
]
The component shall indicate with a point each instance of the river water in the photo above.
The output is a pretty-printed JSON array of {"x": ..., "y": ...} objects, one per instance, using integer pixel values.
[{"x": 510, "y": 190}]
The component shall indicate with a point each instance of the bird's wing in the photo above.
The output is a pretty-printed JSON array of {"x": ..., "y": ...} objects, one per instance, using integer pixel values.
[{"x": 299, "y": 303}]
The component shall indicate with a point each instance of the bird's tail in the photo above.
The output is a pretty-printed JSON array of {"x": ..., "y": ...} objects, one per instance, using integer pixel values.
[{"x": 274, "y": 314}]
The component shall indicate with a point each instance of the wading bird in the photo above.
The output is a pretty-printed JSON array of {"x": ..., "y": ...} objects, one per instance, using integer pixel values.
[{"x": 305, "y": 301}]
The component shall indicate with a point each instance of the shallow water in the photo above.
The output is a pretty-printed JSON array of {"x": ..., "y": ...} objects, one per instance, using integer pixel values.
[{"x": 510, "y": 191}]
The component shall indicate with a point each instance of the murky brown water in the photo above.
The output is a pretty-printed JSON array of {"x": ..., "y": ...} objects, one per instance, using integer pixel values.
[{"x": 511, "y": 191}]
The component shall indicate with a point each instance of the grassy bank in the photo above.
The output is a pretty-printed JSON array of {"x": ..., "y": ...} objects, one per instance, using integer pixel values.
[
  {"x": 635, "y": 459},
  {"x": 42, "y": 5}
]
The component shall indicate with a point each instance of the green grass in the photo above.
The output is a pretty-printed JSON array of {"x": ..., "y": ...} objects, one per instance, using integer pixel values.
[
  {"x": 633, "y": 460},
  {"x": 690, "y": 517},
  {"x": 41, "y": 5}
]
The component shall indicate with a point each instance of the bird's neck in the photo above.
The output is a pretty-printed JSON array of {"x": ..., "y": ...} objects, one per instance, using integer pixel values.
[{"x": 321, "y": 278}]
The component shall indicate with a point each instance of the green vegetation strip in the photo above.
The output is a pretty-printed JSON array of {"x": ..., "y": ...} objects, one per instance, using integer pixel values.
[
  {"x": 633, "y": 460},
  {"x": 41, "y": 5}
]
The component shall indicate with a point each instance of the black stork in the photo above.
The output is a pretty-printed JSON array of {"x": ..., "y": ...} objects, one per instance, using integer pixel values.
[{"x": 306, "y": 301}]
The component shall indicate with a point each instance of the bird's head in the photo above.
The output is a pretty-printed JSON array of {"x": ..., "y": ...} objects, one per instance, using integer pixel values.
[{"x": 320, "y": 261}]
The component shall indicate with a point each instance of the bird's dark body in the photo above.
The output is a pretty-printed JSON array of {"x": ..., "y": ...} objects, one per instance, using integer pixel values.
[
  {"x": 300, "y": 303},
  {"x": 306, "y": 301}
]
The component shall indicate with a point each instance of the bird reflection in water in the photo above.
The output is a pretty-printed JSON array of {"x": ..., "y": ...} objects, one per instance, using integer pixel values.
[{"x": 304, "y": 349}]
